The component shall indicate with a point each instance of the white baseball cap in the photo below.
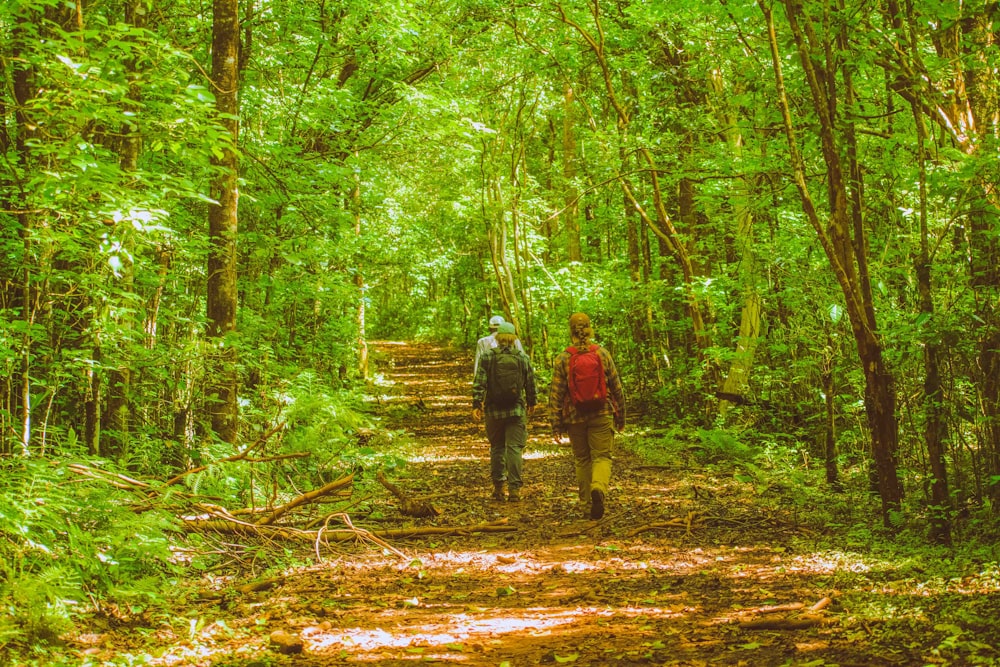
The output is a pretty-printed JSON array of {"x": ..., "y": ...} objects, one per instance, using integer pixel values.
[{"x": 496, "y": 321}]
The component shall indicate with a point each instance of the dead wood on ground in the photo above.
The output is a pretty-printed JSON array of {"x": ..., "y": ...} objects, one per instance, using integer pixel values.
[
  {"x": 813, "y": 616},
  {"x": 408, "y": 506}
]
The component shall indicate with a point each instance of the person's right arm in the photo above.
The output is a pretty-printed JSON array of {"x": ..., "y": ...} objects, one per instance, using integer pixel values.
[{"x": 479, "y": 385}]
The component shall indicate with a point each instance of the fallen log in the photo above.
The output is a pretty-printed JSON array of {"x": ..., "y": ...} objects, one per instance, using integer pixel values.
[
  {"x": 797, "y": 623},
  {"x": 231, "y": 527}
]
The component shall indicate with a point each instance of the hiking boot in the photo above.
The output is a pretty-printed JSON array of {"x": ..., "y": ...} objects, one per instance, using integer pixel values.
[
  {"x": 498, "y": 491},
  {"x": 514, "y": 496},
  {"x": 596, "y": 504}
]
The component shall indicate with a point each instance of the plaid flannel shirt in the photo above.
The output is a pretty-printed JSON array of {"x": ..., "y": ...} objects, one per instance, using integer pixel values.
[
  {"x": 479, "y": 387},
  {"x": 561, "y": 409}
]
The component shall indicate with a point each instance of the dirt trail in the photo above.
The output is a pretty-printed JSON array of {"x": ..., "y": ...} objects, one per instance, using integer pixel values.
[{"x": 558, "y": 589}]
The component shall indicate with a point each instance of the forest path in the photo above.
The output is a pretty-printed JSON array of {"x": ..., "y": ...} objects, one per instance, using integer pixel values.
[{"x": 557, "y": 589}]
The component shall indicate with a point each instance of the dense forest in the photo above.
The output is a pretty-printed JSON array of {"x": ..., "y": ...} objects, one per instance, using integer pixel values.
[{"x": 783, "y": 217}]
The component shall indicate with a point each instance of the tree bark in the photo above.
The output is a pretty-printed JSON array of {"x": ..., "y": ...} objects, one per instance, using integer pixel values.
[
  {"x": 222, "y": 226},
  {"x": 738, "y": 377},
  {"x": 25, "y": 132},
  {"x": 571, "y": 217}
]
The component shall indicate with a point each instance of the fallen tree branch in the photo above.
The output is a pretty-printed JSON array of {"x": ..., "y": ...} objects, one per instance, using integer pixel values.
[
  {"x": 304, "y": 499},
  {"x": 240, "y": 456},
  {"x": 812, "y": 617},
  {"x": 687, "y": 523},
  {"x": 495, "y": 527},
  {"x": 821, "y": 605},
  {"x": 116, "y": 480},
  {"x": 232, "y": 526},
  {"x": 775, "y": 609},
  {"x": 798, "y": 623},
  {"x": 366, "y": 534},
  {"x": 408, "y": 506}
]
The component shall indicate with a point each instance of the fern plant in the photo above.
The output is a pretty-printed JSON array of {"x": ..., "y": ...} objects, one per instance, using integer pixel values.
[{"x": 67, "y": 543}]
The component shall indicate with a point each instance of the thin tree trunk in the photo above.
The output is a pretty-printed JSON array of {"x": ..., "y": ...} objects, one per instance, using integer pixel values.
[
  {"x": 571, "y": 218},
  {"x": 359, "y": 282},
  {"x": 966, "y": 108},
  {"x": 830, "y": 423},
  {"x": 23, "y": 75},
  {"x": 497, "y": 232},
  {"x": 222, "y": 296},
  {"x": 935, "y": 426},
  {"x": 115, "y": 420}
]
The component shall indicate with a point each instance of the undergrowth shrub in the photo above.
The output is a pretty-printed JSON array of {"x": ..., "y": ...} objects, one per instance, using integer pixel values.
[
  {"x": 69, "y": 542},
  {"x": 320, "y": 441}
]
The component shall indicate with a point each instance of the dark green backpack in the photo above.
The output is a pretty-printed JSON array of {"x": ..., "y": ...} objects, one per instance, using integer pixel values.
[{"x": 505, "y": 379}]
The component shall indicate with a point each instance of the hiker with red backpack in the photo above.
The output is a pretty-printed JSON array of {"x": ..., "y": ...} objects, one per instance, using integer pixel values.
[
  {"x": 504, "y": 389},
  {"x": 586, "y": 402}
]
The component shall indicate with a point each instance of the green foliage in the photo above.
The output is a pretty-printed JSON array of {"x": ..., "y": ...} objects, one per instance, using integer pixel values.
[
  {"x": 69, "y": 541},
  {"x": 719, "y": 445}
]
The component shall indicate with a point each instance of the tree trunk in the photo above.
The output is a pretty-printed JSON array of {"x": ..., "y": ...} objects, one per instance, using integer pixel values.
[
  {"x": 738, "y": 377},
  {"x": 571, "y": 218},
  {"x": 497, "y": 232},
  {"x": 23, "y": 85},
  {"x": 222, "y": 226},
  {"x": 115, "y": 420},
  {"x": 841, "y": 252},
  {"x": 359, "y": 281},
  {"x": 935, "y": 424},
  {"x": 830, "y": 422}
]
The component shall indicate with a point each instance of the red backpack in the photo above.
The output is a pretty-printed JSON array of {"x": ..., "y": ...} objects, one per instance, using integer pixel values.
[{"x": 588, "y": 388}]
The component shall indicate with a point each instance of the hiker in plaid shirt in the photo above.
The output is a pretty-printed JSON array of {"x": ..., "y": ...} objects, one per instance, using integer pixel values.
[
  {"x": 591, "y": 434},
  {"x": 506, "y": 428}
]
